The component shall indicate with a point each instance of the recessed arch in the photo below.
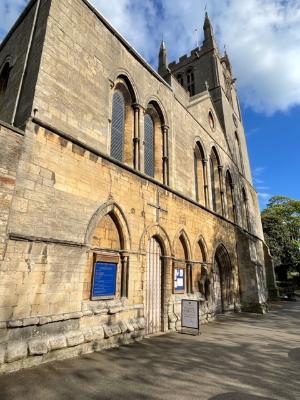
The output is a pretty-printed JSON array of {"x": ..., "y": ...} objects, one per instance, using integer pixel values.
[
  {"x": 184, "y": 240},
  {"x": 160, "y": 234},
  {"x": 215, "y": 180},
  {"x": 200, "y": 173},
  {"x": 156, "y": 102},
  {"x": 245, "y": 209},
  {"x": 123, "y": 74},
  {"x": 116, "y": 213},
  {"x": 200, "y": 248},
  {"x": 229, "y": 190},
  {"x": 154, "y": 147},
  {"x": 223, "y": 280}
]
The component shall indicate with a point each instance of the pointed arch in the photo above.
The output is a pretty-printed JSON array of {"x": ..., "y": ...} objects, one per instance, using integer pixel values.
[
  {"x": 200, "y": 252},
  {"x": 215, "y": 180},
  {"x": 160, "y": 234},
  {"x": 182, "y": 237},
  {"x": 229, "y": 189},
  {"x": 182, "y": 262},
  {"x": 245, "y": 210},
  {"x": 125, "y": 76},
  {"x": 5, "y": 71},
  {"x": 200, "y": 174},
  {"x": 239, "y": 153},
  {"x": 123, "y": 121},
  {"x": 223, "y": 276},
  {"x": 118, "y": 216},
  {"x": 154, "y": 141}
]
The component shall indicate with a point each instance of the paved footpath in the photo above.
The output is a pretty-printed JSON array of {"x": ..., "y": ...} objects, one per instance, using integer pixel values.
[{"x": 238, "y": 357}]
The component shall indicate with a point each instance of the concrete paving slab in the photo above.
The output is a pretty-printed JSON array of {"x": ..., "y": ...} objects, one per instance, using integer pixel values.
[{"x": 237, "y": 357}]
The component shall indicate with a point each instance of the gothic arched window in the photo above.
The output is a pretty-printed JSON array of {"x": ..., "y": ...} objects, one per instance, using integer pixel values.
[
  {"x": 199, "y": 160},
  {"x": 4, "y": 77},
  {"x": 215, "y": 181},
  {"x": 149, "y": 145},
  {"x": 155, "y": 150},
  {"x": 230, "y": 197},
  {"x": 246, "y": 220},
  {"x": 239, "y": 154},
  {"x": 117, "y": 126}
]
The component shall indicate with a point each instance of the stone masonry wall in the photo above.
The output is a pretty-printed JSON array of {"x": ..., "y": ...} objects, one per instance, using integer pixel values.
[{"x": 44, "y": 310}]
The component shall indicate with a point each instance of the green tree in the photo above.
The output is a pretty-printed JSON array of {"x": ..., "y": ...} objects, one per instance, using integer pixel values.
[{"x": 281, "y": 225}]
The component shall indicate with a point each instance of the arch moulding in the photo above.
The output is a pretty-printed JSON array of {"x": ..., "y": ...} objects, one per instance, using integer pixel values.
[
  {"x": 158, "y": 232},
  {"x": 116, "y": 211}
]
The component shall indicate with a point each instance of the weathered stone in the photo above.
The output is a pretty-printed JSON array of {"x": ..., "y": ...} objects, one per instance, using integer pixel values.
[
  {"x": 88, "y": 335},
  {"x": 16, "y": 351},
  {"x": 15, "y": 324},
  {"x": 57, "y": 318},
  {"x": 3, "y": 325},
  {"x": 37, "y": 347},
  {"x": 130, "y": 326},
  {"x": 107, "y": 331},
  {"x": 123, "y": 326},
  {"x": 57, "y": 342},
  {"x": 135, "y": 324},
  {"x": 44, "y": 320},
  {"x": 114, "y": 310},
  {"x": 98, "y": 332},
  {"x": 115, "y": 329},
  {"x": 74, "y": 338},
  {"x": 87, "y": 313},
  {"x": 141, "y": 323},
  {"x": 30, "y": 321},
  {"x": 75, "y": 315},
  {"x": 2, "y": 354}
]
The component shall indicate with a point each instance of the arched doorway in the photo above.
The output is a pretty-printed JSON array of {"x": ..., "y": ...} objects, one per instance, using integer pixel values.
[
  {"x": 222, "y": 292},
  {"x": 154, "y": 287}
]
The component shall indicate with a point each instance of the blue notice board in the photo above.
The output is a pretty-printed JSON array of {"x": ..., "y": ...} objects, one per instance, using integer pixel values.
[{"x": 104, "y": 280}]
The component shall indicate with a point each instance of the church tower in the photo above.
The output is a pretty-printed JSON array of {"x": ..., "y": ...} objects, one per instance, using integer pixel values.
[{"x": 206, "y": 69}]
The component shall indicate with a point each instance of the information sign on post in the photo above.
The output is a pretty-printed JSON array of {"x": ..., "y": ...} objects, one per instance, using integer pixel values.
[{"x": 190, "y": 310}]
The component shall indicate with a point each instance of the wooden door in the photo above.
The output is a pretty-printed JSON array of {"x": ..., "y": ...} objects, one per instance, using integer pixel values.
[{"x": 153, "y": 295}]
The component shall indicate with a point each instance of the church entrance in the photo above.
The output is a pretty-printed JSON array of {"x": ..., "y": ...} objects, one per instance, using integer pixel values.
[
  {"x": 222, "y": 281},
  {"x": 153, "y": 294}
]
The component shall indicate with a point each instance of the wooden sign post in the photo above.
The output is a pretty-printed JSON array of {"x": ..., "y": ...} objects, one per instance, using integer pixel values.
[{"x": 190, "y": 311}]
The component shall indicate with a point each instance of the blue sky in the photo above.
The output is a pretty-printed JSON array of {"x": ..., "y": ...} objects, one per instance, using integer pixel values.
[{"x": 262, "y": 38}]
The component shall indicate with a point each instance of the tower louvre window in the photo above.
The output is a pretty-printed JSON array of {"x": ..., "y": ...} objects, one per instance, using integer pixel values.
[
  {"x": 149, "y": 146},
  {"x": 180, "y": 79},
  {"x": 190, "y": 78},
  {"x": 117, "y": 127}
]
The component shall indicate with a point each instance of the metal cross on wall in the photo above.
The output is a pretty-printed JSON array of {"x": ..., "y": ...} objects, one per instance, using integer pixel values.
[{"x": 158, "y": 207}]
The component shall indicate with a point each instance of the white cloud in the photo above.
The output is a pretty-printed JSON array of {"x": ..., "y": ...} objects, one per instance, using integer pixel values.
[{"x": 262, "y": 39}]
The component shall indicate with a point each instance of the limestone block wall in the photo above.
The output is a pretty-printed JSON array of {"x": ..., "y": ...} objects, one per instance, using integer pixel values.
[
  {"x": 10, "y": 148},
  {"x": 14, "y": 49},
  {"x": 45, "y": 311}
]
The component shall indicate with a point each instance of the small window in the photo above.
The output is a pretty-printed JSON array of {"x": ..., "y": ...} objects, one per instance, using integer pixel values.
[
  {"x": 4, "y": 78},
  {"x": 190, "y": 82},
  {"x": 211, "y": 121},
  {"x": 180, "y": 79}
]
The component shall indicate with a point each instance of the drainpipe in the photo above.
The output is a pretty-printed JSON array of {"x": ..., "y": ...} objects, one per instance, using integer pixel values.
[{"x": 37, "y": 8}]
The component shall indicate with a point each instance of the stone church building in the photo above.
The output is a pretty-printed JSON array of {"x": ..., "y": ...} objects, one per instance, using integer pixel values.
[{"x": 122, "y": 190}]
